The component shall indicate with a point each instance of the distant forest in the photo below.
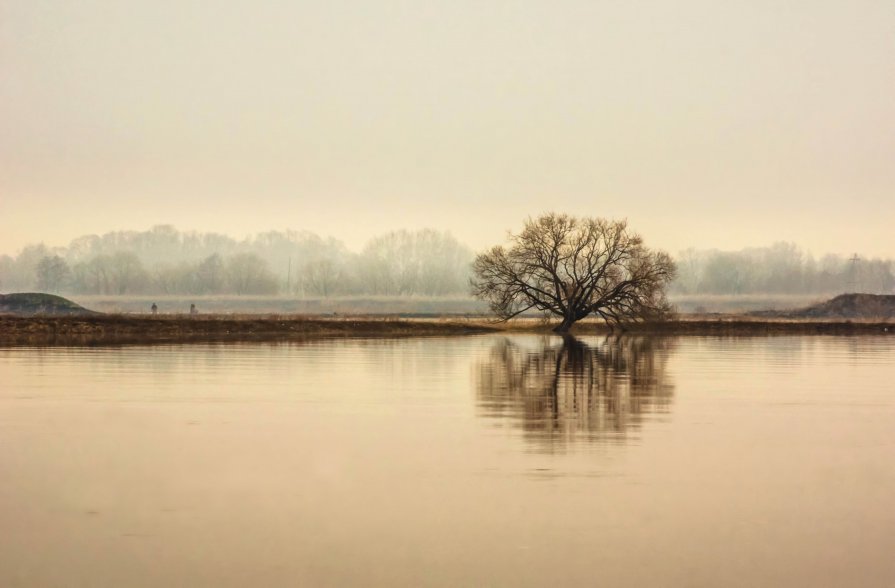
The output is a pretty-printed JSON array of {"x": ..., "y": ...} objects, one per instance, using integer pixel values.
[
  {"x": 165, "y": 261},
  {"x": 782, "y": 268}
]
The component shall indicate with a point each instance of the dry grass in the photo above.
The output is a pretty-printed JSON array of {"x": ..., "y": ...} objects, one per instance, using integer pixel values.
[
  {"x": 742, "y": 325},
  {"x": 120, "y": 329},
  {"x": 116, "y": 329}
]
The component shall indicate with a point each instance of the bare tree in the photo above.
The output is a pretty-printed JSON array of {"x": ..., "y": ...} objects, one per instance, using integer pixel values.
[
  {"x": 321, "y": 276},
  {"x": 52, "y": 273},
  {"x": 94, "y": 276},
  {"x": 405, "y": 263},
  {"x": 126, "y": 272},
  {"x": 573, "y": 268},
  {"x": 247, "y": 273},
  {"x": 7, "y": 265},
  {"x": 210, "y": 274}
]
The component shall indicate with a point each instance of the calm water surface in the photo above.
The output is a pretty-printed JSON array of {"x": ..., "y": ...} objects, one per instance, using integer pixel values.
[{"x": 521, "y": 461}]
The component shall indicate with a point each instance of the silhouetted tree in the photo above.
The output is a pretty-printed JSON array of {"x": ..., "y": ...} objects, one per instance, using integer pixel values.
[{"x": 573, "y": 268}]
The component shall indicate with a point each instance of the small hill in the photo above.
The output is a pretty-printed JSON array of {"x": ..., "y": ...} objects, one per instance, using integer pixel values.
[
  {"x": 845, "y": 306},
  {"x": 35, "y": 303}
]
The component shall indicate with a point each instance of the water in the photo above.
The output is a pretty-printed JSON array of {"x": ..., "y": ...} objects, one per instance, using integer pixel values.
[{"x": 520, "y": 461}]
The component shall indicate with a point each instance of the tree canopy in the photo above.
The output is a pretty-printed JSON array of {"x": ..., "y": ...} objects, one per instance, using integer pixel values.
[{"x": 573, "y": 268}]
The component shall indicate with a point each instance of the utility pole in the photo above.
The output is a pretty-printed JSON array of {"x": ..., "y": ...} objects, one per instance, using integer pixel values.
[
  {"x": 854, "y": 273},
  {"x": 289, "y": 278}
]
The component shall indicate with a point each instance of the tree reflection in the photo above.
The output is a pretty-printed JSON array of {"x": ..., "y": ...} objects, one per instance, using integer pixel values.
[{"x": 562, "y": 393}]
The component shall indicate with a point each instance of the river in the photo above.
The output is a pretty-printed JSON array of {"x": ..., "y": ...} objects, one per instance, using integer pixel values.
[{"x": 468, "y": 461}]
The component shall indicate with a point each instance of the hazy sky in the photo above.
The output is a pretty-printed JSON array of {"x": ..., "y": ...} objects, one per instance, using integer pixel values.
[{"x": 704, "y": 122}]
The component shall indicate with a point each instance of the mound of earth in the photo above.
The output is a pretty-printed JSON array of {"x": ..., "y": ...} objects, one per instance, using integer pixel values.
[
  {"x": 847, "y": 306},
  {"x": 35, "y": 303}
]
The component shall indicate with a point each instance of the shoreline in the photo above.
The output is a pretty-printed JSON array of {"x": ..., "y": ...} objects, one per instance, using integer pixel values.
[
  {"x": 166, "y": 329},
  {"x": 147, "y": 329}
]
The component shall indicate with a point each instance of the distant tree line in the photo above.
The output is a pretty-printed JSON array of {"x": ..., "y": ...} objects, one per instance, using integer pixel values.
[
  {"x": 164, "y": 260},
  {"x": 782, "y": 268}
]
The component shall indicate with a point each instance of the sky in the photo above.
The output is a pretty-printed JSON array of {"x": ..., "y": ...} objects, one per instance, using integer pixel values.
[{"x": 704, "y": 123}]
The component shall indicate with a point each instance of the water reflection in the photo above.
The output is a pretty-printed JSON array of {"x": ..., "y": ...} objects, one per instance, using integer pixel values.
[{"x": 566, "y": 391}]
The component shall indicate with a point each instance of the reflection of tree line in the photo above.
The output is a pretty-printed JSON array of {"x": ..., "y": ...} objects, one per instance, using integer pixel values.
[{"x": 559, "y": 393}]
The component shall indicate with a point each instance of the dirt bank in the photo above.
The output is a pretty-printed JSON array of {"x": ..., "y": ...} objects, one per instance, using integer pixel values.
[
  {"x": 135, "y": 329},
  {"x": 114, "y": 329},
  {"x": 845, "y": 306},
  {"x": 38, "y": 303}
]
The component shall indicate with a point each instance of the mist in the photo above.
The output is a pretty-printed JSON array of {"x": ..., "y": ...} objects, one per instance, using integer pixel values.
[
  {"x": 447, "y": 293},
  {"x": 165, "y": 261},
  {"x": 706, "y": 124}
]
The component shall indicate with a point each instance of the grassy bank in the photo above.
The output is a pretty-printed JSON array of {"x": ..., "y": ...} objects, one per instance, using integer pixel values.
[
  {"x": 120, "y": 329},
  {"x": 115, "y": 329},
  {"x": 747, "y": 326}
]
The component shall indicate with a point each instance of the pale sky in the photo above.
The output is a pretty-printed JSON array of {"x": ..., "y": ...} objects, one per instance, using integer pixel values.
[{"x": 707, "y": 123}]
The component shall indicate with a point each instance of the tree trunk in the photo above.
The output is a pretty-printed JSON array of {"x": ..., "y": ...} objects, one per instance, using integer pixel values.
[{"x": 565, "y": 325}]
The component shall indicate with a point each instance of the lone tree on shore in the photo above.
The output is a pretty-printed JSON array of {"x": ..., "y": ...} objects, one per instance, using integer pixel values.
[{"x": 572, "y": 268}]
